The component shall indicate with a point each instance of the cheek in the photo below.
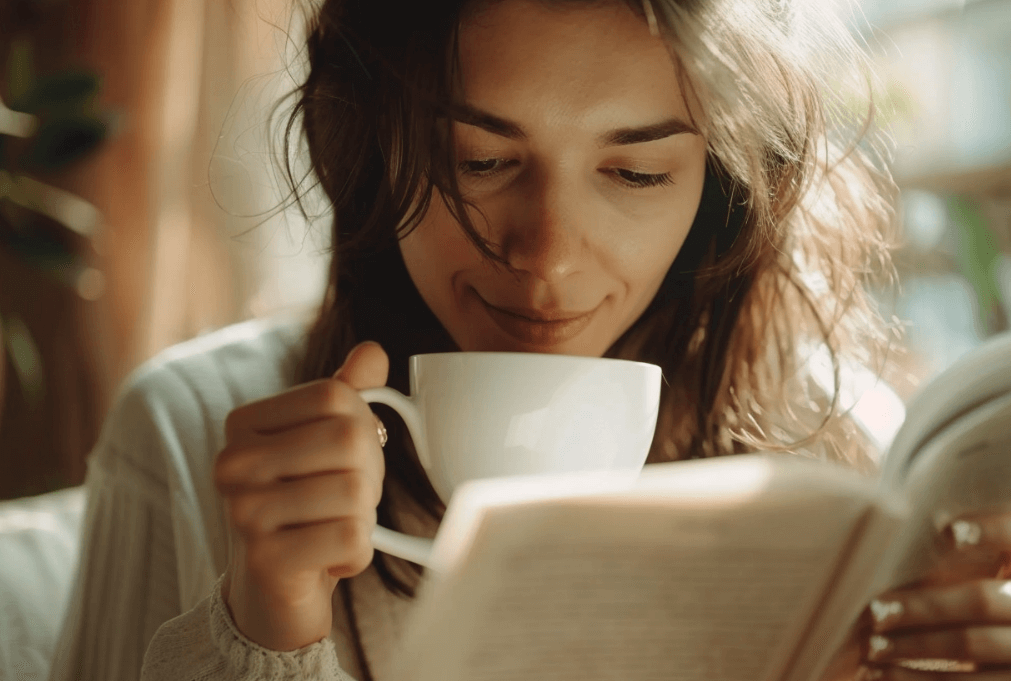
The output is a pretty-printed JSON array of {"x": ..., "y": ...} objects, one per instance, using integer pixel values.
[
  {"x": 650, "y": 243},
  {"x": 433, "y": 251},
  {"x": 645, "y": 258}
]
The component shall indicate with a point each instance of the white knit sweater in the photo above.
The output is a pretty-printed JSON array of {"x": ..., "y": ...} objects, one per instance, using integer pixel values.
[{"x": 155, "y": 539}]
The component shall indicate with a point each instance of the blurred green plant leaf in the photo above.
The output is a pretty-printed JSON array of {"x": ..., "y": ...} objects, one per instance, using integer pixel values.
[
  {"x": 35, "y": 250},
  {"x": 62, "y": 141},
  {"x": 59, "y": 94},
  {"x": 979, "y": 258},
  {"x": 26, "y": 360},
  {"x": 20, "y": 70},
  {"x": 21, "y": 235},
  {"x": 69, "y": 127}
]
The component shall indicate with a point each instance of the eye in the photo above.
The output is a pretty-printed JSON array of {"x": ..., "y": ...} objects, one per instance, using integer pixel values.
[
  {"x": 642, "y": 180},
  {"x": 485, "y": 167}
]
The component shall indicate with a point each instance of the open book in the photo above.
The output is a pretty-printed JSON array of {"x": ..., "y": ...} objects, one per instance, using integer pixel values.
[{"x": 747, "y": 568}]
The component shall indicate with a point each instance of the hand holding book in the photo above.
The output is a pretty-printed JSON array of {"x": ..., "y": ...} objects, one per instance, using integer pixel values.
[{"x": 960, "y": 612}]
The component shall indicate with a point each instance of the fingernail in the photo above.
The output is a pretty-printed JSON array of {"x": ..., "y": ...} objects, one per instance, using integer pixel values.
[
  {"x": 966, "y": 533},
  {"x": 871, "y": 674},
  {"x": 883, "y": 611},
  {"x": 878, "y": 646}
]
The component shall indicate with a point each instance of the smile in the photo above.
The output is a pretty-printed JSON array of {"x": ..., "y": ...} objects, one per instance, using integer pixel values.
[{"x": 541, "y": 330}]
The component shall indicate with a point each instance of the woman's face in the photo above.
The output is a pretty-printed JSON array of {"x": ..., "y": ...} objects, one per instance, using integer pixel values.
[{"x": 585, "y": 172}]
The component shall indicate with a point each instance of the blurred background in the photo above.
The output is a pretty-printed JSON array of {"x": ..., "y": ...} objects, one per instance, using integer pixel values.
[
  {"x": 137, "y": 201},
  {"x": 140, "y": 209}
]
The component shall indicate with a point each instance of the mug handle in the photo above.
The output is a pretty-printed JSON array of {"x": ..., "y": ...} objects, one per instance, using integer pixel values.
[{"x": 415, "y": 549}]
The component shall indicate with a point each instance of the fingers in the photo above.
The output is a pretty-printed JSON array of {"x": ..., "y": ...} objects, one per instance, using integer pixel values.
[
  {"x": 318, "y": 483},
  {"x": 977, "y": 601},
  {"x": 967, "y": 622},
  {"x": 959, "y": 613},
  {"x": 983, "y": 645},
  {"x": 984, "y": 529},
  {"x": 900, "y": 673},
  {"x": 299, "y": 405},
  {"x": 344, "y": 544},
  {"x": 339, "y": 443},
  {"x": 366, "y": 366},
  {"x": 288, "y": 505}
]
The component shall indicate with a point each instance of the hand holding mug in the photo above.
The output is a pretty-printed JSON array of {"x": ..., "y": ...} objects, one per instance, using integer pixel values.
[
  {"x": 301, "y": 475},
  {"x": 302, "y": 471}
]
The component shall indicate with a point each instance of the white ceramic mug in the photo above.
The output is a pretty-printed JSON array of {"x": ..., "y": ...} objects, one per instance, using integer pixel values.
[{"x": 479, "y": 415}]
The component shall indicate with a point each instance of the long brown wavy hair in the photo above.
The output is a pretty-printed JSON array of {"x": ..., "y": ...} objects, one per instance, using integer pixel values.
[{"x": 793, "y": 224}]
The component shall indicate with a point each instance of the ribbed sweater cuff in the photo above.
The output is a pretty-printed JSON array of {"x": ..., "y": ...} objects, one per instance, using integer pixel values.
[{"x": 249, "y": 660}]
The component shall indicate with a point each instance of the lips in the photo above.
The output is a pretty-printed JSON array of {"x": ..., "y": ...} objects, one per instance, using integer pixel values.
[{"x": 539, "y": 328}]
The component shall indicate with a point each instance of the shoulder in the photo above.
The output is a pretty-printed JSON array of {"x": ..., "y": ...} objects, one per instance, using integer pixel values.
[
  {"x": 185, "y": 392},
  {"x": 246, "y": 360}
]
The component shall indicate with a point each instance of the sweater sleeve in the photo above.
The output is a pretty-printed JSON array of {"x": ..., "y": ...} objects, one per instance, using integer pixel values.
[
  {"x": 204, "y": 645},
  {"x": 153, "y": 540},
  {"x": 127, "y": 581}
]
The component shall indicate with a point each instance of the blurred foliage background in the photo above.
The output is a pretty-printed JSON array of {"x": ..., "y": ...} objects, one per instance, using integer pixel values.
[
  {"x": 136, "y": 194},
  {"x": 135, "y": 204},
  {"x": 946, "y": 70}
]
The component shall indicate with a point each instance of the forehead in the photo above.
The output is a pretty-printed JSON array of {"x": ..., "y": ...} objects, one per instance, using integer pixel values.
[{"x": 571, "y": 60}]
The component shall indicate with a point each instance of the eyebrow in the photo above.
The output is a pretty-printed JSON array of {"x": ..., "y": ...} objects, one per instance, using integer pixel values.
[{"x": 502, "y": 127}]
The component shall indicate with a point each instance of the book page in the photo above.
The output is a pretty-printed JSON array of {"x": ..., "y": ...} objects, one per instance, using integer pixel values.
[
  {"x": 979, "y": 376},
  {"x": 965, "y": 468},
  {"x": 651, "y": 586}
]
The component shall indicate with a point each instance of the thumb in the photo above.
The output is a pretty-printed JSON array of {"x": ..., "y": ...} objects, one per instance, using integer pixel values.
[{"x": 366, "y": 366}]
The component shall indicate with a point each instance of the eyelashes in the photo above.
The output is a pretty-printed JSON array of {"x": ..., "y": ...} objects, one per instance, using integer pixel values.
[
  {"x": 483, "y": 168},
  {"x": 643, "y": 179},
  {"x": 488, "y": 168}
]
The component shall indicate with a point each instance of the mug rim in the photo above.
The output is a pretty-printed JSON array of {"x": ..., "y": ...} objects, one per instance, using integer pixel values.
[{"x": 493, "y": 353}]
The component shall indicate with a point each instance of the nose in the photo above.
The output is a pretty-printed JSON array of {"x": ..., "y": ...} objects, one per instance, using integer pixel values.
[{"x": 544, "y": 233}]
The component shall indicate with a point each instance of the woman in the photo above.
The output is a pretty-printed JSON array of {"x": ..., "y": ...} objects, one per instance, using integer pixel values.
[{"x": 667, "y": 180}]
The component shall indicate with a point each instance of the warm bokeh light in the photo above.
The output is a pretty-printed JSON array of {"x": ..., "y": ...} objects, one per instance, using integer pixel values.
[{"x": 945, "y": 79}]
